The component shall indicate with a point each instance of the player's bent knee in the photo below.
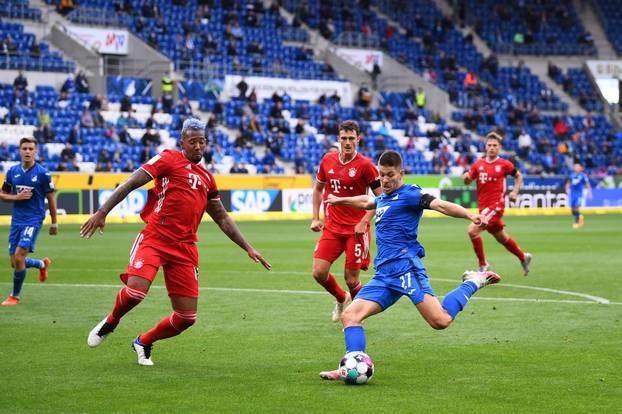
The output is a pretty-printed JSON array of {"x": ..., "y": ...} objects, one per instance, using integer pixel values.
[
  {"x": 320, "y": 275},
  {"x": 440, "y": 323},
  {"x": 348, "y": 318}
]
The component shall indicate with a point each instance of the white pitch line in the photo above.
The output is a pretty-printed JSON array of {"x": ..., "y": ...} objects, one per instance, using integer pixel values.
[
  {"x": 596, "y": 299},
  {"x": 307, "y": 292}
]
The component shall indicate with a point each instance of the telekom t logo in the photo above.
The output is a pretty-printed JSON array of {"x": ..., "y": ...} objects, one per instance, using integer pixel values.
[
  {"x": 335, "y": 185},
  {"x": 194, "y": 180}
]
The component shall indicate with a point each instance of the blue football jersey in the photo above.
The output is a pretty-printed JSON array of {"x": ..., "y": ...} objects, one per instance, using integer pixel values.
[
  {"x": 39, "y": 180},
  {"x": 397, "y": 225},
  {"x": 578, "y": 182}
]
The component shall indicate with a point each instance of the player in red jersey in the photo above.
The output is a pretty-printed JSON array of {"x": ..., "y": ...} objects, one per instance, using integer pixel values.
[
  {"x": 490, "y": 173},
  {"x": 183, "y": 191},
  {"x": 345, "y": 174}
]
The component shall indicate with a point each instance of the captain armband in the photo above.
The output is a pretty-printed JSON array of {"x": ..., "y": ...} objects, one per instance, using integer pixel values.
[
  {"x": 426, "y": 200},
  {"x": 7, "y": 188}
]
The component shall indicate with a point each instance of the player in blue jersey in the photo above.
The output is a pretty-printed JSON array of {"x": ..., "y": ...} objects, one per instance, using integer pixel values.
[
  {"x": 577, "y": 187},
  {"x": 399, "y": 269},
  {"x": 27, "y": 185}
]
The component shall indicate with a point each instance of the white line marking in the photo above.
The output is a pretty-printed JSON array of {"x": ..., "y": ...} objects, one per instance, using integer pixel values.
[
  {"x": 306, "y": 292},
  {"x": 596, "y": 299}
]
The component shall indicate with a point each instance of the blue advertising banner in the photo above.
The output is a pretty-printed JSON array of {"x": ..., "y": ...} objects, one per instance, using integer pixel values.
[{"x": 605, "y": 197}]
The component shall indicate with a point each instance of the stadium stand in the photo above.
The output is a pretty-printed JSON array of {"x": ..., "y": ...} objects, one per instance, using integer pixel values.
[{"x": 118, "y": 131}]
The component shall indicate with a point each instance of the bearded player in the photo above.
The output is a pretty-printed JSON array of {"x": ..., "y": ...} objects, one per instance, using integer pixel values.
[
  {"x": 490, "y": 173},
  {"x": 345, "y": 229},
  {"x": 183, "y": 191}
]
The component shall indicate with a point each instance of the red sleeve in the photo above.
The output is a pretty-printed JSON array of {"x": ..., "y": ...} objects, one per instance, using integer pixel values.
[
  {"x": 473, "y": 171},
  {"x": 212, "y": 188},
  {"x": 159, "y": 165},
  {"x": 509, "y": 167},
  {"x": 321, "y": 174},
  {"x": 371, "y": 173}
]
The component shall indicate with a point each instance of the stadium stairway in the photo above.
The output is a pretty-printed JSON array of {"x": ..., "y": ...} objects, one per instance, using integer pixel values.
[{"x": 592, "y": 24}]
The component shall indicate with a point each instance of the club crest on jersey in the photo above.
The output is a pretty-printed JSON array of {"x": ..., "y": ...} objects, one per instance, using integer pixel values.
[
  {"x": 34, "y": 179},
  {"x": 380, "y": 212},
  {"x": 497, "y": 168},
  {"x": 352, "y": 172},
  {"x": 138, "y": 263}
]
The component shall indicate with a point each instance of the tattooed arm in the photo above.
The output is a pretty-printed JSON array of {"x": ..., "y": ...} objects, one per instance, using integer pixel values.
[
  {"x": 98, "y": 220},
  {"x": 218, "y": 213}
]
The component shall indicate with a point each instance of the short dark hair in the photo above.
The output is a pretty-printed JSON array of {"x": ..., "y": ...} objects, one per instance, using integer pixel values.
[
  {"x": 494, "y": 135},
  {"x": 390, "y": 159},
  {"x": 27, "y": 140},
  {"x": 350, "y": 125}
]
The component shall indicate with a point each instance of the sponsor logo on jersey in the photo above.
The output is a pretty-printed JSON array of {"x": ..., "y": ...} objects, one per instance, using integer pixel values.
[
  {"x": 331, "y": 171},
  {"x": 481, "y": 167}
]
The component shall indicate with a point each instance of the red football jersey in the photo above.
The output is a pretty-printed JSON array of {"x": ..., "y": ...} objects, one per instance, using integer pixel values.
[
  {"x": 348, "y": 179},
  {"x": 182, "y": 189},
  {"x": 490, "y": 176}
]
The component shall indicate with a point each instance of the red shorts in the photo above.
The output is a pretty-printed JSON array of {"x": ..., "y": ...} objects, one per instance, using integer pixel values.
[
  {"x": 179, "y": 261},
  {"x": 495, "y": 219},
  {"x": 331, "y": 245}
]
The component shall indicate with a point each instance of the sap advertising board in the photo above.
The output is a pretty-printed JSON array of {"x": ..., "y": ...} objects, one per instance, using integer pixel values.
[
  {"x": 132, "y": 204},
  {"x": 255, "y": 201}
]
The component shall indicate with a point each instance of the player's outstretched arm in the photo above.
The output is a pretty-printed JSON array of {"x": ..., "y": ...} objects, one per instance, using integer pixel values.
[
  {"x": 454, "y": 210},
  {"x": 98, "y": 220},
  {"x": 364, "y": 202},
  {"x": 217, "y": 212}
]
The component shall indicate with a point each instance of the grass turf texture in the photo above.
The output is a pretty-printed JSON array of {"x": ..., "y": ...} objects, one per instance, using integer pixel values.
[{"x": 253, "y": 351}]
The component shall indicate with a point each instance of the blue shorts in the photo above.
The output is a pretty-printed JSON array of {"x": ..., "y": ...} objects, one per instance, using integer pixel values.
[
  {"x": 24, "y": 236},
  {"x": 405, "y": 277},
  {"x": 577, "y": 201}
]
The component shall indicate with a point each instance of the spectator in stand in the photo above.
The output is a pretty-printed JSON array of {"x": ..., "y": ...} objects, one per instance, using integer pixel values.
[
  {"x": 242, "y": 87},
  {"x": 151, "y": 137},
  {"x": 125, "y": 137},
  {"x": 238, "y": 168},
  {"x": 524, "y": 144},
  {"x": 126, "y": 104},
  {"x": 69, "y": 85},
  {"x": 68, "y": 154},
  {"x": 44, "y": 117},
  {"x": 470, "y": 80},
  {"x": 98, "y": 120},
  {"x": 128, "y": 166},
  {"x": 35, "y": 50},
  {"x": 86, "y": 119},
  {"x": 364, "y": 96},
  {"x": 82, "y": 83},
  {"x": 20, "y": 83},
  {"x": 65, "y": 6},
  {"x": 560, "y": 129},
  {"x": 104, "y": 162},
  {"x": 44, "y": 134},
  {"x": 96, "y": 103}
]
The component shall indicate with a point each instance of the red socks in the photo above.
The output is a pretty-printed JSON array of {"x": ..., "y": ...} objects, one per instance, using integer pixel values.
[
  {"x": 511, "y": 245},
  {"x": 332, "y": 287},
  {"x": 355, "y": 290},
  {"x": 127, "y": 298},
  {"x": 172, "y": 325},
  {"x": 478, "y": 246}
]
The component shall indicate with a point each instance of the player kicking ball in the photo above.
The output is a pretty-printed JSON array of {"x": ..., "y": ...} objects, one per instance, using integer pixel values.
[{"x": 399, "y": 269}]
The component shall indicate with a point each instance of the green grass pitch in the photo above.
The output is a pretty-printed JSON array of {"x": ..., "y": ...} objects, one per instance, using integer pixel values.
[{"x": 262, "y": 337}]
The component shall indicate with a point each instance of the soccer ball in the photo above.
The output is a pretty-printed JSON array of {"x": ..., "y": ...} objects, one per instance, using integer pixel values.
[{"x": 356, "y": 368}]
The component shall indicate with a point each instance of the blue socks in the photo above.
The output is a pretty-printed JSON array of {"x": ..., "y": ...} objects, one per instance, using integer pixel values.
[
  {"x": 18, "y": 281},
  {"x": 457, "y": 299},
  {"x": 34, "y": 263},
  {"x": 355, "y": 338},
  {"x": 576, "y": 215}
]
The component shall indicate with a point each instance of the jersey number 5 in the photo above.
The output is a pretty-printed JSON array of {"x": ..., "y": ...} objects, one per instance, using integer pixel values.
[{"x": 194, "y": 180}]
